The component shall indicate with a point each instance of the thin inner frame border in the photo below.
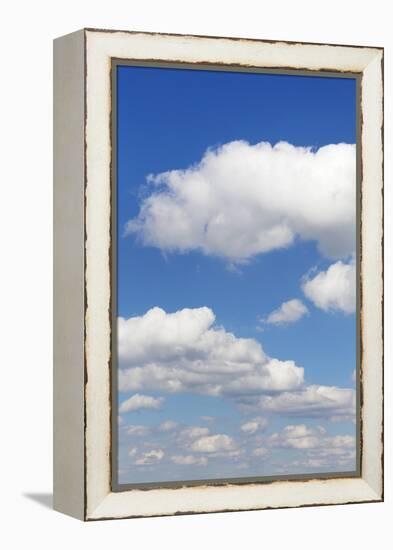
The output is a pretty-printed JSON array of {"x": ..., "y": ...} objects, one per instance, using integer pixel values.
[{"x": 113, "y": 253}]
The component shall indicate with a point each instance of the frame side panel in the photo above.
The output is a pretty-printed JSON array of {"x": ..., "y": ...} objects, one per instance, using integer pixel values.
[
  {"x": 68, "y": 242},
  {"x": 372, "y": 274}
]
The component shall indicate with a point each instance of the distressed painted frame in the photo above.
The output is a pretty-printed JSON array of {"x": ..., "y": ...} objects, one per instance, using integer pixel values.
[{"x": 83, "y": 256}]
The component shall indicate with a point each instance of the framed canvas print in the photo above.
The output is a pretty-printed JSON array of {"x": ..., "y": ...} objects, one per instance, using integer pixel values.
[{"x": 218, "y": 274}]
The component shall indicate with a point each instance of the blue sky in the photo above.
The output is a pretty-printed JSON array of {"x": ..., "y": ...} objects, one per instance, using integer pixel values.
[{"x": 168, "y": 119}]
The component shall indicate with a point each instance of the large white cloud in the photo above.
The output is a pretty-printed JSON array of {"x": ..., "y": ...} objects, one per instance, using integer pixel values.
[
  {"x": 334, "y": 289},
  {"x": 241, "y": 200},
  {"x": 185, "y": 352},
  {"x": 288, "y": 312},
  {"x": 314, "y": 401}
]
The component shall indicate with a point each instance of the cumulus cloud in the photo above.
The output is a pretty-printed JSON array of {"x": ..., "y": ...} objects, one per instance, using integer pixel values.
[
  {"x": 225, "y": 205},
  {"x": 192, "y": 432},
  {"x": 254, "y": 425},
  {"x": 334, "y": 289},
  {"x": 319, "y": 460},
  {"x": 138, "y": 401},
  {"x": 288, "y": 312},
  {"x": 138, "y": 430},
  {"x": 168, "y": 426},
  {"x": 189, "y": 460},
  {"x": 132, "y": 452},
  {"x": 260, "y": 452},
  {"x": 150, "y": 457},
  {"x": 185, "y": 351},
  {"x": 295, "y": 447},
  {"x": 314, "y": 401},
  {"x": 319, "y": 449},
  {"x": 213, "y": 444},
  {"x": 296, "y": 436}
]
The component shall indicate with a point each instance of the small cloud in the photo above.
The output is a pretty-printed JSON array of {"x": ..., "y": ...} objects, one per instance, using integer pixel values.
[
  {"x": 260, "y": 452},
  {"x": 168, "y": 426},
  {"x": 189, "y": 460},
  {"x": 193, "y": 432},
  {"x": 132, "y": 452},
  {"x": 150, "y": 457},
  {"x": 213, "y": 444},
  {"x": 234, "y": 268},
  {"x": 255, "y": 425},
  {"x": 289, "y": 312},
  {"x": 312, "y": 401},
  {"x": 138, "y": 401},
  {"x": 334, "y": 289},
  {"x": 137, "y": 430},
  {"x": 306, "y": 438}
]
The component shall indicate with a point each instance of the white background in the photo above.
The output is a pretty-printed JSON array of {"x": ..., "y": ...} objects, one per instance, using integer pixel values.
[{"x": 28, "y": 28}]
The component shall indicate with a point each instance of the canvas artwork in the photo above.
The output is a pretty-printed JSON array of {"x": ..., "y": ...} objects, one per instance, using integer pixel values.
[
  {"x": 218, "y": 274},
  {"x": 236, "y": 318}
]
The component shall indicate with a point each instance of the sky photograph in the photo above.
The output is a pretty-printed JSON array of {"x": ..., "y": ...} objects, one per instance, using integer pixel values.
[{"x": 236, "y": 274}]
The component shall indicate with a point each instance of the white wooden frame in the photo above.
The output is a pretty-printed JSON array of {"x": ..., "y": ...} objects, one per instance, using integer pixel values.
[{"x": 82, "y": 174}]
